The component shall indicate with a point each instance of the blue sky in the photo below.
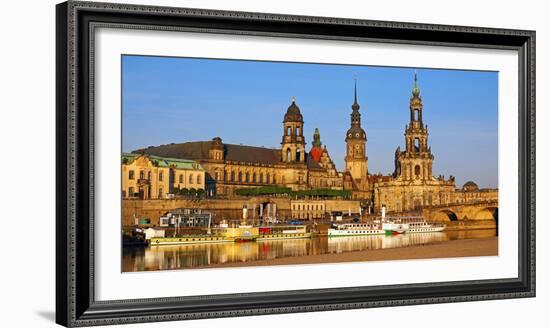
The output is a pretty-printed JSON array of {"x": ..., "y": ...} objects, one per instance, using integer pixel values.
[{"x": 186, "y": 99}]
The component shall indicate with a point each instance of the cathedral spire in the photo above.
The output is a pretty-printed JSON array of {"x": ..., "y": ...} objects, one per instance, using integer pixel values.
[
  {"x": 355, "y": 105},
  {"x": 356, "y": 144}
]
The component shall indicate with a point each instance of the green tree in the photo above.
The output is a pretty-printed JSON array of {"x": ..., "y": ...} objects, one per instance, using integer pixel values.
[{"x": 200, "y": 193}]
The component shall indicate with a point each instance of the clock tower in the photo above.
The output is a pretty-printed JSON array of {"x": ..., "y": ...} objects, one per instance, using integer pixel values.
[{"x": 356, "y": 144}]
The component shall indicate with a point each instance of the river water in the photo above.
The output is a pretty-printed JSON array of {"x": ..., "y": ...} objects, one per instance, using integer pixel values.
[{"x": 202, "y": 255}]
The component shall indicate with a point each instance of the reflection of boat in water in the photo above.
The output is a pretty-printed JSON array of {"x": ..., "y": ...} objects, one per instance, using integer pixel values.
[
  {"x": 406, "y": 240},
  {"x": 382, "y": 241}
]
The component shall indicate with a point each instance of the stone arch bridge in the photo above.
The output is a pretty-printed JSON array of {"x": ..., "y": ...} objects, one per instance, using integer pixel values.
[{"x": 483, "y": 210}]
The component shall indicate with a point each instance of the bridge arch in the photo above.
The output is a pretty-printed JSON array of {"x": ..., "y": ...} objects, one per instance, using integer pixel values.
[
  {"x": 445, "y": 216},
  {"x": 486, "y": 213}
]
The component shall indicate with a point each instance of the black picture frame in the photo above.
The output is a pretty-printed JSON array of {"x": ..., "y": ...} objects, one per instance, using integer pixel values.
[{"x": 75, "y": 302}]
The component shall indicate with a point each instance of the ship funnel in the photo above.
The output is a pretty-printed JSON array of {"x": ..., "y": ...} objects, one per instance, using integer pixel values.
[{"x": 245, "y": 214}]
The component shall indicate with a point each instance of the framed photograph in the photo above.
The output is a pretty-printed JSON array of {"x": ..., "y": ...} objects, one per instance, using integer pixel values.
[{"x": 215, "y": 163}]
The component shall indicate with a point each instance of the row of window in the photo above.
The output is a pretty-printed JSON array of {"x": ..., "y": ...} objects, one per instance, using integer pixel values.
[
  {"x": 131, "y": 175},
  {"x": 289, "y": 155},
  {"x": 304, "y": 207},
  {"x": 289, "y": 131},
  {"x": 324, "y": 183},
  {"x": 247, "y": 177},
  {"x": 191, "y": 177}
]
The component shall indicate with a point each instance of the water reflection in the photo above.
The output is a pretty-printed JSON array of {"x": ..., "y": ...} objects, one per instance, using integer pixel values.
[{"x": 203, "y": 255}]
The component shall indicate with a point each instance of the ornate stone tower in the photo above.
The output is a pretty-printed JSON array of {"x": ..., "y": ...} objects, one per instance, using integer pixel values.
[
  {"x": 415, "y": 163},
  {"x": 356, "y": 142},
  {"x": 293, "y": 143}
]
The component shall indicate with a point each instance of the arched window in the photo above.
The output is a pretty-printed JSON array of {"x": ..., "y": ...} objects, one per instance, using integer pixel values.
[
  {"x": 417, "y": 170},
  {"x": 297, "y": 130},
  {"x": 240, "y": 176},
  {"x": 198, "y": 178},
  {"x": 131, "y": 192},
  {"x": 141, "y": 175},
  {"x": 161, "y": 176},
  {"x": 131, "y": 175},
  {"x": 254, "y": 177},
  {"x": 181, "y": 178},
  {"x": 416, "y": 145},
  {"x": 160, "y": 192},
  {"x": 288, "y": 131},
  {"x": 247, "y": 177},
  {"x": 288, "y": 155},
  {"x": 225, "y": 176},
  {"x": 267, "y": 178},
  {"x": 261, "y": 178},
  {"x": 232, "y": 175},
  {"x": 274, "y": 179},
  {"x": 190, "y": 178},
  {"x": 217, "y": 175},
  {"x": 298, "y": 155},
  {"x": 149, "y": 175},
  {"x": 416, "y": 112}
]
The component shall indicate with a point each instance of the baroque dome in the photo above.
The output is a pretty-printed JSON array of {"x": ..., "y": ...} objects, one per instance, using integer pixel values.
[
  {"x": 470, "y": 186},
  {"x": 293, "y": 113}
]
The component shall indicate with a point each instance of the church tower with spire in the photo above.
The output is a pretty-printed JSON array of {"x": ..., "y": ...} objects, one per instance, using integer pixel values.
[
  {"x": 356, "y": 145},
  {"x": 415, "y": 162}
]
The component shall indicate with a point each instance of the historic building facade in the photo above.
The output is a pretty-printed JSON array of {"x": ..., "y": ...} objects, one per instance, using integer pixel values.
[
  {"x": 153, "y": 177},
  {"x": 229, "y": 167},
  {"x": 471, "y": 193}
]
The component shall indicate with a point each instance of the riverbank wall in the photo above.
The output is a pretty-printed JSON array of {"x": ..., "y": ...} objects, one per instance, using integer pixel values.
[{"x": 222, "y": 209}]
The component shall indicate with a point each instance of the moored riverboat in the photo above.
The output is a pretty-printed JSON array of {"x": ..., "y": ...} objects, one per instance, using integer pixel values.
[
  {"x": 283, "y": 232},
  {"x": 355, "y": 229},
  {"x": 191, "y": 239},
  {"x": 418, "y": 224},
  {"x": 375, "y": 227},
  {"x": 240, "y": 233}
]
